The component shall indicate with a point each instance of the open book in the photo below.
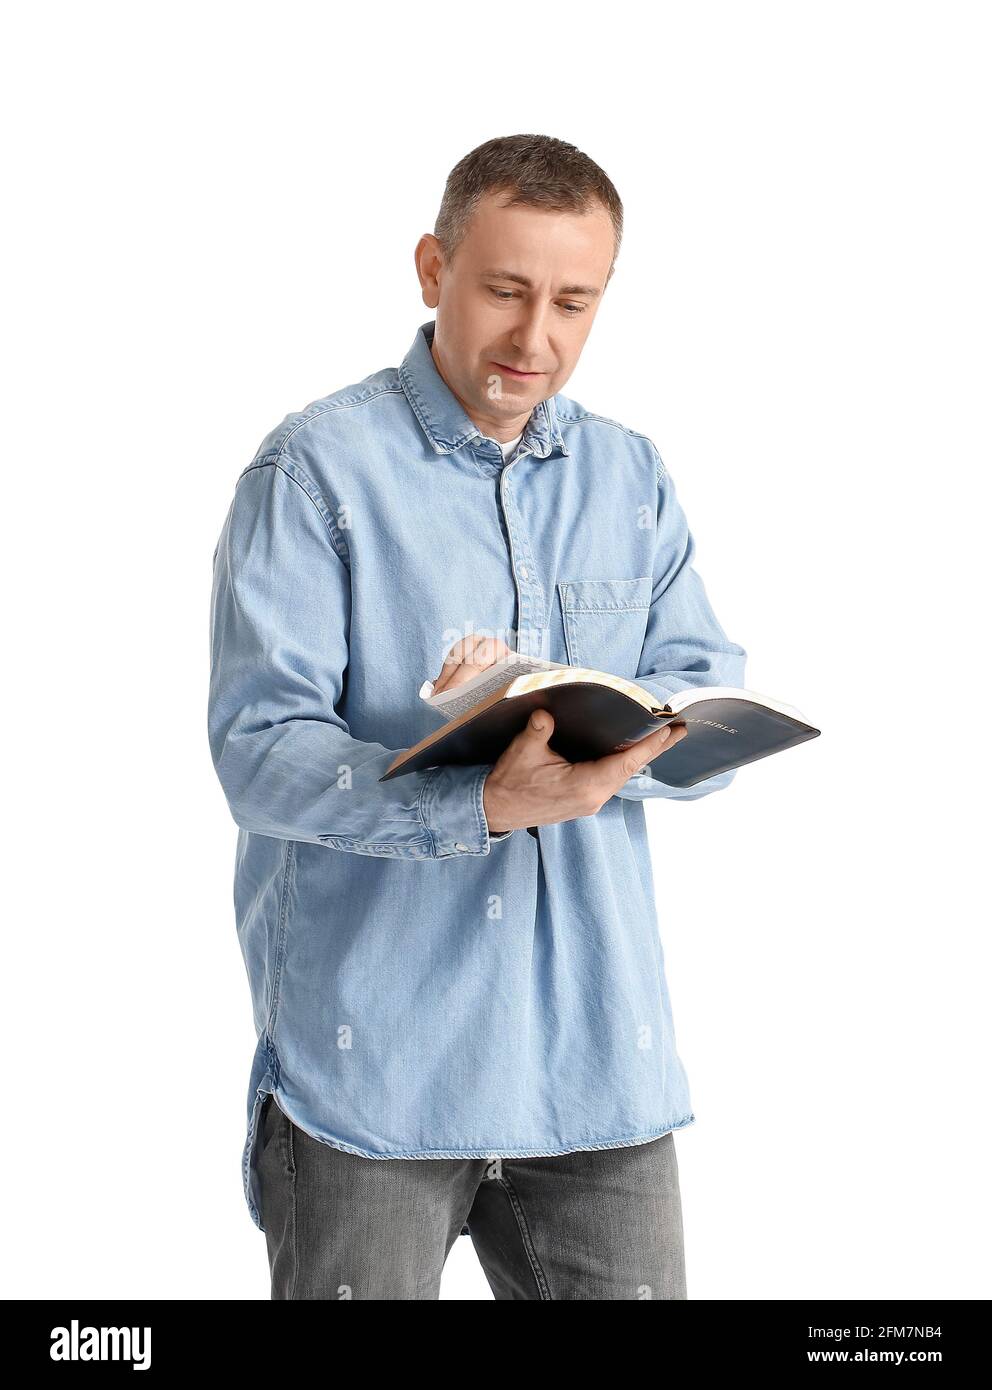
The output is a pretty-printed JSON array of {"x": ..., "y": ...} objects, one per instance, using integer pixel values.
[{"x": 596, "y": 713}]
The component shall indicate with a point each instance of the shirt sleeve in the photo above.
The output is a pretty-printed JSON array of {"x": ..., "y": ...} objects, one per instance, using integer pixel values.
[
  {"x": 289, "y": 767},
  {"x": 684, "y": 644}
]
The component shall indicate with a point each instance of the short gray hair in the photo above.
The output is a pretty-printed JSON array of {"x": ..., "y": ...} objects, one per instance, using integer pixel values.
[{"x": 537, "y": 171}]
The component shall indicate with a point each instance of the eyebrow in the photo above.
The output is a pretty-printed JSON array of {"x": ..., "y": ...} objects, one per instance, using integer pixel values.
[{"x": 528, "y": 284}]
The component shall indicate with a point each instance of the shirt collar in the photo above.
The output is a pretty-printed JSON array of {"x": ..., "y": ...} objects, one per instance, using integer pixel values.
[{"x": 443, "y": 418}]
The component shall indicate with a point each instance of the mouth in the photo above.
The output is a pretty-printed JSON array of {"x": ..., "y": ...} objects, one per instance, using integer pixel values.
[{"x": 512, "y": 372}]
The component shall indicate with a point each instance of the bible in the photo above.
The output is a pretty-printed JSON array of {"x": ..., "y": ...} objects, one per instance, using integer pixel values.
[{"x": 596, "y": 713}]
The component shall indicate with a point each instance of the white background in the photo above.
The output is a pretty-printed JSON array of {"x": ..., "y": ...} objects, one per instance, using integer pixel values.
[{"x": 211, "y": 222}]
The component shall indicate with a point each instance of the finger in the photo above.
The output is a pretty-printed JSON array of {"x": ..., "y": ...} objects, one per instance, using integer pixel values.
[
  {"x": 626, "y": 761},
  {"x": 540, "y": 726},
  {"x": 487, "y": 651},
  {"x": 455, "y": 656},
  {"x": 467, "y": 658},
  {"x": 659, "y": 741},
  {"x": 530, "y": 744}
]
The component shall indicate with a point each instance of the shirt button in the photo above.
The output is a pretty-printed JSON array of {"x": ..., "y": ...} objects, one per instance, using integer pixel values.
[
  {"x": 523, "y": 572},
  {"x": 460, "y": 846}
]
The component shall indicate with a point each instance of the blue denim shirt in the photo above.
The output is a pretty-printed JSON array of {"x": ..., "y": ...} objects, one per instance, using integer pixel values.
[{"x": 420, "y": 988}]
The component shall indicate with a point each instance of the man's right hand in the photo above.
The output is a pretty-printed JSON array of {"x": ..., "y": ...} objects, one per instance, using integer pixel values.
[{"x": 531, "y": 785}]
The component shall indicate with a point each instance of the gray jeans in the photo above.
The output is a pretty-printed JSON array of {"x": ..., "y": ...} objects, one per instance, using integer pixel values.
[{"x": 603, "y": 1224}]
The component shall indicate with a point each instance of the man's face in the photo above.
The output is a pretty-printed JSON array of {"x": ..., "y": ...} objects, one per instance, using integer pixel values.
[{"x": 489, "y": 321}]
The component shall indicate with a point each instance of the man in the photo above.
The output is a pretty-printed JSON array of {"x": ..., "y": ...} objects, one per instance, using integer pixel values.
[{"x": 461, "y": 1028}]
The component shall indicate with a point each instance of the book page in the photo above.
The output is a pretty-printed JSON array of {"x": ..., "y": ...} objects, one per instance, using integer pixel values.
[
  {"x": 696, "y": 694},
  {"x": 452, "y": 703}
]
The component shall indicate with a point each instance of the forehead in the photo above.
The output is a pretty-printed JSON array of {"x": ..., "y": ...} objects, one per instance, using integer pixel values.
[{"x": 527, "y": 239}]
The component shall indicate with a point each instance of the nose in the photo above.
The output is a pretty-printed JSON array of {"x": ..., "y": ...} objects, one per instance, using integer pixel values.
[{"x": 530, "y": 339}]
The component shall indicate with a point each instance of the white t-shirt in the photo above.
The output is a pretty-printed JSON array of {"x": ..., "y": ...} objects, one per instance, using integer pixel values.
[{"x": 509, "y": 446}]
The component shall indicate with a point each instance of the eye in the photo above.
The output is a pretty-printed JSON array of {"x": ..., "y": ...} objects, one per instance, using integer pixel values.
[{"x": 572, "y": 311}]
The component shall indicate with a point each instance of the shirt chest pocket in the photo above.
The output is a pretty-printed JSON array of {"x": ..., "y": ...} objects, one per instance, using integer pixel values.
[{"x": 605, "y": 621}]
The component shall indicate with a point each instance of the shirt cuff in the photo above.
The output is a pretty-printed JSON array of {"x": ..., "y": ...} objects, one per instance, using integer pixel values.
[{"x": 451, "y": 808}]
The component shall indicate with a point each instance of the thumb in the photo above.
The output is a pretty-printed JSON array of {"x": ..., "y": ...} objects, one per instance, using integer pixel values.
[{"x": 541, "y": 723}]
